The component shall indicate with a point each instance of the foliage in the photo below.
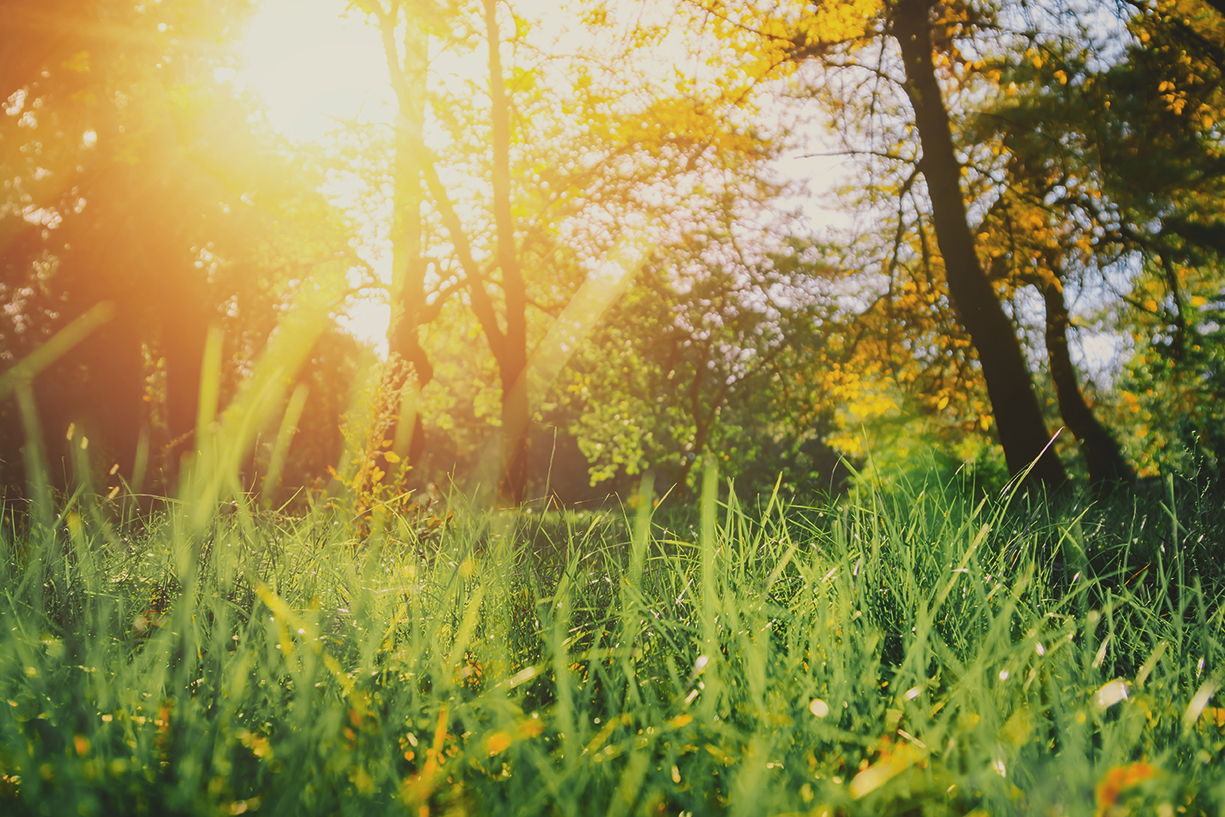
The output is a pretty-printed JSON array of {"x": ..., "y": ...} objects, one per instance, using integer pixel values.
[
  {"x": 530, "y": 175},
  {"x": 134, "y": 177},
  {"x": 530, "y": 149},
  {"x": 909, "y": 650},
  {"x": 890, "y": 76},
  {"x": 712, "y": 349},
  {"x": 1105, "y": 164}
]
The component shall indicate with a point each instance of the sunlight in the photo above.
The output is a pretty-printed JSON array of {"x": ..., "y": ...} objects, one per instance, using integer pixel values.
[
  {"x": 316, "y": 65},
  {"x": 313, "y": 65},
  {"x": 367, "y": 320}
]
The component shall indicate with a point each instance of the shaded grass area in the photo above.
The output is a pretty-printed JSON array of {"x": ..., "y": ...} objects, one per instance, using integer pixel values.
[{"x": 906, "y": 650}]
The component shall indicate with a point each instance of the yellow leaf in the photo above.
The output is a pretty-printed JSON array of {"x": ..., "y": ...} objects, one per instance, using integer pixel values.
[
  {"x": 1214, "y": 715},
  {"x": 497, "y": 742},
  {"x": 944, "y": 401},
  {"x": 530, "y": 728},
  {"x": 392, "y": 457},
  {"x": 877, "y": 775},
  {"x": 1116, "y": 780}
]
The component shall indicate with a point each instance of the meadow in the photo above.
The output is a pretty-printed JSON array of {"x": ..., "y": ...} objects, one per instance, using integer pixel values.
[{"x": 917, "y": 646}]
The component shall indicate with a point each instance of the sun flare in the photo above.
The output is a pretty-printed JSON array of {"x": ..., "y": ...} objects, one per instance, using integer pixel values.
[{"x": 314, "y": 65}]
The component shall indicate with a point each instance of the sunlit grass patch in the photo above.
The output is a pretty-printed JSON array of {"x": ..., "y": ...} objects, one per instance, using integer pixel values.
[{"x": 898, "y": 652}]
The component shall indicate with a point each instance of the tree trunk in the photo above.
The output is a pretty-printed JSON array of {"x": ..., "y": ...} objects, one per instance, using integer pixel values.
[
  {"x": 408, "y": 264},
  {"x": 1104, "y": 457},
  {"x": 508, "y": 346},
  {"x": 516, "y": 410},
  {"x": 516, "y": 424},
  {"x": 1018, "y": 416},
  {"x": 695, "y": 454},
  {"x": 181, "y": 308}
]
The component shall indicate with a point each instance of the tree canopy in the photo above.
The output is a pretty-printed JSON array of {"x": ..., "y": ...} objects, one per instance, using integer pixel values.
[{"x": 595, "y": 261}]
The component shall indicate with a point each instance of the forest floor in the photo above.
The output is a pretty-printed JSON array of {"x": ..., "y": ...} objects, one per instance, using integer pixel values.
[{"x": 915, "y": 648}]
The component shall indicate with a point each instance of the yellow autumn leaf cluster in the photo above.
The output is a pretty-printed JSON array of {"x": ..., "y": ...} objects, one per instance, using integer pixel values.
[{"x": 841, "y": 21}]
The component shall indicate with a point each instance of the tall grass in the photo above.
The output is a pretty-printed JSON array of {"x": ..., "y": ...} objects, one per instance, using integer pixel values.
[{"x": 906, "y": 650}]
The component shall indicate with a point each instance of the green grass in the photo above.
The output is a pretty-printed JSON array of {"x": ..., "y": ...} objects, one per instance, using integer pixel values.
[{"x": 907, "y": 650}]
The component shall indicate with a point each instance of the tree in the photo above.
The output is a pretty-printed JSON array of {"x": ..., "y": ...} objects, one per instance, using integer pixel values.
[
  {"x": 1109, "y": 183},
  {"x": 715, "y": 348},
  {"x": 1039, "y": 245},
  {"x": 1158, "y": 115},
  {"x": 1018, "y": 416},
  {"x": 408, "y": 57},
  {"x": 138, "y": 180},
  {"x": 532, "y": 173},
  {"x": 405, "y": 29},
  {"x": 923, "y": 33}
]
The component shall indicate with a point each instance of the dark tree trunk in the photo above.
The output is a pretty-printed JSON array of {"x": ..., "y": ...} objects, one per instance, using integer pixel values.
[
  {"x": 1018, "y": 416},
  {"x": 1104, "y": 457},
  {"x": 703, "y": 420},
  {"x": 694, "y": 456}
]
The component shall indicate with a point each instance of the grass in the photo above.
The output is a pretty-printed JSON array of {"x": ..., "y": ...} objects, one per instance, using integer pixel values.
[{"x": 909, "y": 649}]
